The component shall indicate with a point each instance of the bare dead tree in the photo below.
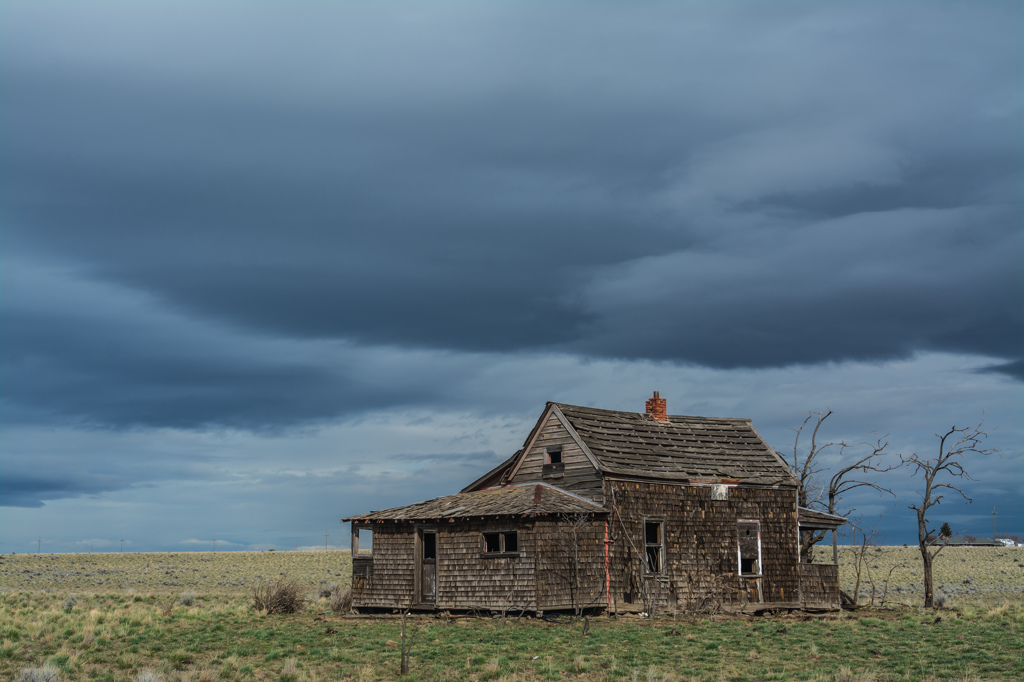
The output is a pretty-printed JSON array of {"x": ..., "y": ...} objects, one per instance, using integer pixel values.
[
  {"x": 941, "y": 473},
  {"x": 862, "y": 568},
  {"x": 855, "y": 467},
  {"x": 888, "y": 577}
]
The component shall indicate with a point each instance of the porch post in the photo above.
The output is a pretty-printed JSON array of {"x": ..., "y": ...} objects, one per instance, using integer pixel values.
[
  {"x": 355, "y": 538},
  {"x": 835, "y": 549}
]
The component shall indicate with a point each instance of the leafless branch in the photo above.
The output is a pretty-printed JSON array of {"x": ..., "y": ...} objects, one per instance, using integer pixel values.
[
  {"x": 857, "y": 472},
  {"x": 941, "y": 473}
]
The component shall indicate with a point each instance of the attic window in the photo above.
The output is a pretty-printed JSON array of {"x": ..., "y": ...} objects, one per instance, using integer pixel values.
[
  {"x": 553, "y": 467},
  {"x": 505, "y": 542},
  {"x": 654, "y": 541}
]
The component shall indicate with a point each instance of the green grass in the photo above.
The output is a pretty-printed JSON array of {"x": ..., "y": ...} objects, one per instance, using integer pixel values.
[
  {"x": 109, "y": 638},
  {"x": 133, "y": 621}
]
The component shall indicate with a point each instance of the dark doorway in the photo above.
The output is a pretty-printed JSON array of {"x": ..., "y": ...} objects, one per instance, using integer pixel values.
[{"x": 427, "y": 560}]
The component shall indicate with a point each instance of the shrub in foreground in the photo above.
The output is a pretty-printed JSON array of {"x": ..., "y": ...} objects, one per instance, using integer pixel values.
[
  {"x": 187, "y": 598},
  {"x": 45, "y": 674},
  {"x": 282, "y": 596},
  {"x": 341, "y": 601}
]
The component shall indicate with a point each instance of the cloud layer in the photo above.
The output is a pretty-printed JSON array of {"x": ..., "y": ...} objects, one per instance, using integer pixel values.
[{"x": 278, "y": 221}]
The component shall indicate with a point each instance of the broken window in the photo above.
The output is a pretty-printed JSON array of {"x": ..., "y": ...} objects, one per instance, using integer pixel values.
[
  {"x": 553, "y": 455},
  {"x": 749, "y": 546},
  {"x": 505, "y": 542},
  {"x": 362, "y": 540},
  {"x": 654, "y": 540}
]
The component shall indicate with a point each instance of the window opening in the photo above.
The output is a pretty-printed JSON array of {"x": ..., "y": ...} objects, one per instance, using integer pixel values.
[
  {"x": 654, "y": 537},
  {"x": 430, "y": 545},
  {"x": 506, "y": 542},
  {"x": 553, "y": 467},
  {"x": 364, "y": 540},
  {"x": 749, "y": 547}
]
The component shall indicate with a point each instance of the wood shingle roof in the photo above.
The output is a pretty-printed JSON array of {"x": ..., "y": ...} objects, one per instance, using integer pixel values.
[
  {"x": 683, "y": 448},
  {"x": 810, "y": 518},
  {"x": 537, "y": 499}
]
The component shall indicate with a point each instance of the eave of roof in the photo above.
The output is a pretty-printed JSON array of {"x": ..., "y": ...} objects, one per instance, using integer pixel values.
[{"x": 811, "y": 518}]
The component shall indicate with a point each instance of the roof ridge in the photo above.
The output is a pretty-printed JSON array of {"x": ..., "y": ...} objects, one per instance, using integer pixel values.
[{"x": 644, "y": 414}]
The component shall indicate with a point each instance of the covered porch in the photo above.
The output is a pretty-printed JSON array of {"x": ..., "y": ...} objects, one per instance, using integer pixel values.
[{"x": 819, "y": 583}]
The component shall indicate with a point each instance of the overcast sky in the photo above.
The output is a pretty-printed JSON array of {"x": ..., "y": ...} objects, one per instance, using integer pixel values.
[{"x": 268, "y": 265}]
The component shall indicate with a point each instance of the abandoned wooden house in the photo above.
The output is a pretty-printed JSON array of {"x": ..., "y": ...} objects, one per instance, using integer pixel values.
[{"x": 606, "y": 510}]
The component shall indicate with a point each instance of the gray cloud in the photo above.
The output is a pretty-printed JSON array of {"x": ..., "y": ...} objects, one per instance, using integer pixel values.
[
  {"x": 478, "y": 205},
  {"x": 274, "y": 219}
]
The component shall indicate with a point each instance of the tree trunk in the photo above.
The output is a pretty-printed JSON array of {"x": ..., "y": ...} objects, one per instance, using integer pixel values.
[
  {"x": 928, "y": 593},
  {"x": 926, "y": 557}
]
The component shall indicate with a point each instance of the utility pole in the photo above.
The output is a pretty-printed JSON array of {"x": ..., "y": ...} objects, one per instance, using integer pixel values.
[
  {"x": 325, "y": 540},
  {"x": 215, "y": 545},
  {"x": 122, "y": 545},
  {"x": 993, "y": 524},
  {"x": 39, "y": 547}
]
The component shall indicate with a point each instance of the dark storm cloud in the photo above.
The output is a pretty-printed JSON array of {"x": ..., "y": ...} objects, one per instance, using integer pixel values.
[
  {"x": 17, "y": 490},
  {"x": 722, "y": 186}
]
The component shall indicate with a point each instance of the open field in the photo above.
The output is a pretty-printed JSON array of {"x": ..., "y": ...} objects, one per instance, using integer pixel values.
[
  {"x": 963, "y": 574},
  {"x": 116, "y": 638},
  {"x": 172, "y": 572},
  {"x": 133, "y": 621}
]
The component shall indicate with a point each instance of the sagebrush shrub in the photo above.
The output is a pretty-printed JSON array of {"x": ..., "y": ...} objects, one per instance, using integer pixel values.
[
  {"x": 282, "y": 596},
  {"x": 188, "y": 598},
  {"x": 148, "y": 676},
  {"x": 341, "y": 601},
  {"x": 69, "y": 604},
  {"x": 327, "y": 589},
  {"x": 939, "y": 600},
  {"x": 45, "y": 674}
]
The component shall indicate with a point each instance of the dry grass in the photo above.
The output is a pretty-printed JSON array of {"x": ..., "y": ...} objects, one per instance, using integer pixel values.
[
  {"x": 170, "y": 573},
  {"x": 965, "y": 575}
]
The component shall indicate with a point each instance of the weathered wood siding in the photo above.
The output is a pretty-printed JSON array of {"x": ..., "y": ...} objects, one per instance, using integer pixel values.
[
  {"x": 390, "y": 580},
  {"x": 819, "y": 585},
  {"x": 570, "y": 563},
  {"x": 466, "y": 577},
  {"x": 470, "y": 579},
  {"x": 578, "y": 476},
  {"x": 701, "y": 541}
]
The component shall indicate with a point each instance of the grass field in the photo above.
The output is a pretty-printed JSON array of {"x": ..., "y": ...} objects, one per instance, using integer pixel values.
[
  {"x": 963, "y": 574},
  {"x": 170, "y": 573},
  {"x": 133, "y": 624}
]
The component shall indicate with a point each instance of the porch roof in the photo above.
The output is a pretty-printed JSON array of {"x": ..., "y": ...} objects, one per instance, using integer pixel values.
[
  {"x": 810, "y": 518},
  {"x": 534, "y": 499}
]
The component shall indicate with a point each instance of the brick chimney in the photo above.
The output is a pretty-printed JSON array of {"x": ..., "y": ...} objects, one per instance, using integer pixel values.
[{"x": 657, "y": 407}]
